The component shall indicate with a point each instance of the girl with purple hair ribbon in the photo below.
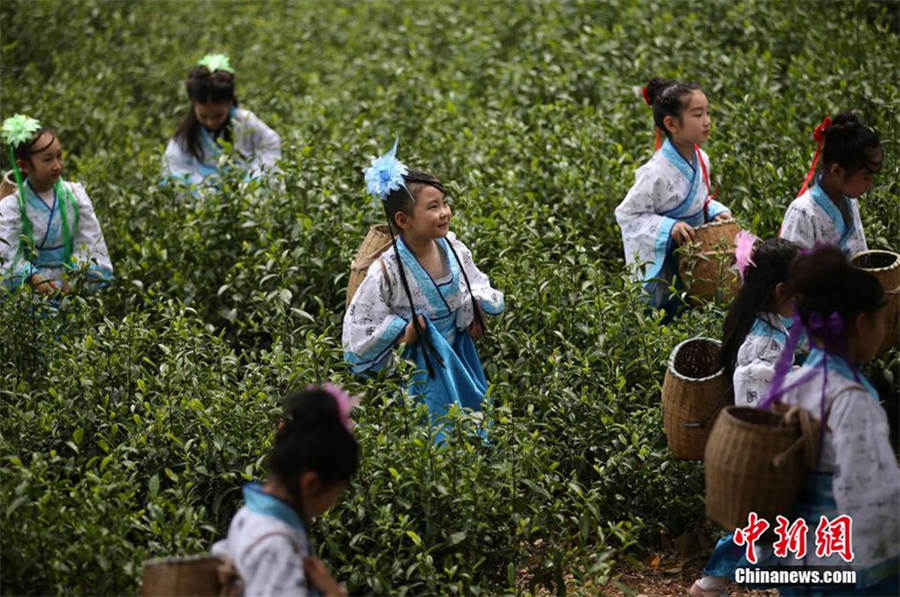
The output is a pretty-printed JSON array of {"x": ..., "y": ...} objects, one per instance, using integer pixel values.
[{"x": 840, "y": 307}]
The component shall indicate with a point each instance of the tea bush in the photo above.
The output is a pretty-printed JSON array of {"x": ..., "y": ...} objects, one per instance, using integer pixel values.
[{"x": 129, "y": 420}]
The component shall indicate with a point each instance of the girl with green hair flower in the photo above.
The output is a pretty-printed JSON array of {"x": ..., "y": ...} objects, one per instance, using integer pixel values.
[
  {"x": 214, "y": 116},
  {"x": 48, "y": 228}
]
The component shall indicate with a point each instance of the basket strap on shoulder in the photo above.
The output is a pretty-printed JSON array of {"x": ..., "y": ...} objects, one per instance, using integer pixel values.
[{"x": 265, "y": 536}]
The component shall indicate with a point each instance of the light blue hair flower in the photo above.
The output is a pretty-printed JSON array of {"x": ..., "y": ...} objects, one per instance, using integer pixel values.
[{"x": 385, "y": 174}]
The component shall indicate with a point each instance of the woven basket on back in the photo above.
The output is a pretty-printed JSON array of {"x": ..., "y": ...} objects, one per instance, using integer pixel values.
[
  {"x": 756, "y": 461},
  {"x": 694, "y": 390},
  {"x": 885, "y": 266},
  {"x": 708, "y": 272},
  {"x": 376, "y": 242},
  {"x": 8, "y": 185},
  {"x": 201, "y": 575}
]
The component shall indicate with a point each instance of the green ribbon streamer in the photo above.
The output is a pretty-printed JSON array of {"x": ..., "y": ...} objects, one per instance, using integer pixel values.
[{"x": 66, "y": 202}]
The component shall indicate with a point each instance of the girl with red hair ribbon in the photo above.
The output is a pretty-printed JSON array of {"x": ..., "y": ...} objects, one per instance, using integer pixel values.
[
  {"x": 671, "y": 192},
  {"x": 827, "y": 211}
]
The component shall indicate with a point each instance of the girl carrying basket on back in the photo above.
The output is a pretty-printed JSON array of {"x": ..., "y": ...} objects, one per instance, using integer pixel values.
[{"x": 424, "y": 291}]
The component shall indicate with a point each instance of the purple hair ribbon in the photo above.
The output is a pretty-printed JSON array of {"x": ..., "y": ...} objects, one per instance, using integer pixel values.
[{"x": 831, "y": 331}]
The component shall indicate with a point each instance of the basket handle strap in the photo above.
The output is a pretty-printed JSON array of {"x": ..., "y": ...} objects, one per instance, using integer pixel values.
[
  {"x": 808, "y": 440},
  {"x": 265, "y": 536},
  {"x": 230, "y": 582},
  {"x": 781, "y": 457}
]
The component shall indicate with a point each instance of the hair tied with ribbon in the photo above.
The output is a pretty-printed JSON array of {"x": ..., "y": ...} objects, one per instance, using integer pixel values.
[
  {"x": 819, "y": 136},
  {"x": 819, "y": 132},
  {"x": 743, "y": 252},
  {"x": 646, "y": 95},
  {"x": 345, "y": 403},
  {"x": 830, "y": 329}
]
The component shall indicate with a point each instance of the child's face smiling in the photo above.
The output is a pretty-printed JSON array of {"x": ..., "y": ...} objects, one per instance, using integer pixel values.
[
  {"x": 44, "y": 167},
  {"x": 430, "y": 216},
  {"x": 695, "y": 123},
  {"x": 212, "y": 115}
]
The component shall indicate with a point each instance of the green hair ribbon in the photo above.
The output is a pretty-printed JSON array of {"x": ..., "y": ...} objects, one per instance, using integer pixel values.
[
  {"x": 17, "y": 130},
  {"x": 216, "y": 62}
]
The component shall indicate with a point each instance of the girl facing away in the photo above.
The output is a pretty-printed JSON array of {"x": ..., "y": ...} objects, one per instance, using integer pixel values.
[
  {"x": 841, "y": 309},
  {"x": 756, "y": 327},
  {"x": 312, "y": 461},
  {"x": 424, "y": 291},
  {"x": 828, "y": 211},
  {"x": 214, "y": 116},
  {"x": 48, "y": 227},
  {"x": 670, "y": 195}
]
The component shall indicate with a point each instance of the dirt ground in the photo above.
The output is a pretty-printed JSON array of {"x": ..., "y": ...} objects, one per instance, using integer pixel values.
[{"x": 667, "y": 578}]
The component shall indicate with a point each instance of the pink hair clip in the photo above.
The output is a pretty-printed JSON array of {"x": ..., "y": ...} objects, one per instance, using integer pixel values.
[
  {"x": 345, "y": 403},
  {"x": 743, "y": 251}
]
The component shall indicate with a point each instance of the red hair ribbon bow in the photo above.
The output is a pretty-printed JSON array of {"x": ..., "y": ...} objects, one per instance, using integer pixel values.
[
  {"x": 819, "y": 136},
  {"x": 646, "y": 95}
]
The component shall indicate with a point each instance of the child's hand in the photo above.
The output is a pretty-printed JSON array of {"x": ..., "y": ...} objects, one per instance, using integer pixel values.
[
  {"x": 725, "y": 215},
  {"x": 43, "y": 284},
  {"x": 682, "y": 232},
  {"x": 320, "y": 578},
  {"x": 410, "y": 336},
  {"x": 475, "y": 330}
]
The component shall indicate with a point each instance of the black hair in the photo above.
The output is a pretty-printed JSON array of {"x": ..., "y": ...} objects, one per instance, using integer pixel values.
[
  {"x": 402, "y": 200},
  {"x": 25, "y": 150},
  {"x": 313, "y": 438},
  {"x": 668, "y": 99},
  {"x": 851, "y": 144},
  {"x": 773, "y": 259},
  {"x": 825, "y": 282},
  {"x": 204, "y": 87}
]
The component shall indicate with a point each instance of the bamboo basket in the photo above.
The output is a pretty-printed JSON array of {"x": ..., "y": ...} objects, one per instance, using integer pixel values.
[
  {"x": 756, "y": 461},
  {"x": 201, "y": 575},
  {"x": 885, "y": 266},
  {"x": 8, "y": 185},
  {"x": 708, "y": 272},
  {"x": 694, "y": 390},
  {"x": 376, "y": 242}
]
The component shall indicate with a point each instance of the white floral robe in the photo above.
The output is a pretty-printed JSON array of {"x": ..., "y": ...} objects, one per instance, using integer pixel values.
[
  {"x": 267, "y": 542},
  {"x": 757, "y": 357},
  {"x": 667, "y": 189},
  {"x": 252, "y": 140},
  {"x": 858, "y": 472},
  {"x": 88, "y": 246},
  {"x": 379, "y": 311},
  {"x": 813, "y": 218}
]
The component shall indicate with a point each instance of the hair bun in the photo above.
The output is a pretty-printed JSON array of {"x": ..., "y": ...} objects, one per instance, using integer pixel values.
[
  {"x": 654, "y": 88},
  {"x": 845, "y": 118}
]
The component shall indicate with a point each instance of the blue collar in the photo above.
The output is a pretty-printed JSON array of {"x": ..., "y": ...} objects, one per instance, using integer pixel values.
[
  {"x": 821, "y": 198},
  {"x": 764, "y": 328},
  {"x": 840, "y": 366},
  {"x": 34, "y": 198},
  {"x": 260, "y": 502},
  {"x": 671, "y": 153},
  {"x": 434, "y": 293}
]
